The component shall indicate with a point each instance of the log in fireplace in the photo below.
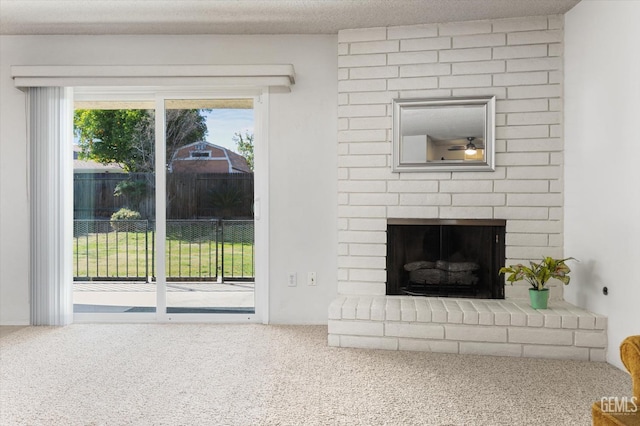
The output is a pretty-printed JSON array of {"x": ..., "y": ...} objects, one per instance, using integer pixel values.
[{"x": 446, "y": 257}]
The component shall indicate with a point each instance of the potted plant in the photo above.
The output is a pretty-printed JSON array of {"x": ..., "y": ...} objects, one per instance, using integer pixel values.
[{"x": 537, "y": 274}]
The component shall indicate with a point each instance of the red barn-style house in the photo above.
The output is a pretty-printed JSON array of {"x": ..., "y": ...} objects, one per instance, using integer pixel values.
[{"x": 205, "y": 157}]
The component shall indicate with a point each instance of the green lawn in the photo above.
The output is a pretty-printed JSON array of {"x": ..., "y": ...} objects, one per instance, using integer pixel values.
[{"x": 125, "y": 254}]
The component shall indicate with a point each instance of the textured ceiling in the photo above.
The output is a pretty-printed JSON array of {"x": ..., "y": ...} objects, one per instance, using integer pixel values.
[{"x": 251, "y": 16}]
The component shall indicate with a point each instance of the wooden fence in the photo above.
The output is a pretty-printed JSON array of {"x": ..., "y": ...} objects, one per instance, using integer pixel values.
[{"x": 189, "y": 195}]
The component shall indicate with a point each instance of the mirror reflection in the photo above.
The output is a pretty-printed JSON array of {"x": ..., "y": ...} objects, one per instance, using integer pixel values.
[{"x": 443, "y": 134}]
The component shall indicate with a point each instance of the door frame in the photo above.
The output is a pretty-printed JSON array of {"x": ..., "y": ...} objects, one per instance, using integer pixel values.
[{"x": 158, "y": 95}]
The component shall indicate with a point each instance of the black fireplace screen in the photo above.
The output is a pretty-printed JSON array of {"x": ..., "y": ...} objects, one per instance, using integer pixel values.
[{"x": 449, "y": 258}]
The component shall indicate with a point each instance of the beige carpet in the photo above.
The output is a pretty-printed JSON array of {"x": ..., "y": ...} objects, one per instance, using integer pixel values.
[{"x": 196, "y": 374}]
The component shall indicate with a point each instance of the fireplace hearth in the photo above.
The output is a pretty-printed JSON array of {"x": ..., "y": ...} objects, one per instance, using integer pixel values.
[{"x": 445, "y": 257}]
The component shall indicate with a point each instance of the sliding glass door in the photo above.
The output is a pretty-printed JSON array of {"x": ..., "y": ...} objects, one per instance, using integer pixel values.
[
  {"x": 209, "y": 193},
  {"x": 164, "y": 206}
]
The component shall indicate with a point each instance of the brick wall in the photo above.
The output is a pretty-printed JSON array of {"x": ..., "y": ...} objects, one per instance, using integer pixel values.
[{"x": 517, "y": 60}]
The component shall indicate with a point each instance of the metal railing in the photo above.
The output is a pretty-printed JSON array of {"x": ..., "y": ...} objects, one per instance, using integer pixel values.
[
  {"x": 195, "y": 250},
  {"x": 192, "y": 249},
  {"x": 238, "y": 249}
]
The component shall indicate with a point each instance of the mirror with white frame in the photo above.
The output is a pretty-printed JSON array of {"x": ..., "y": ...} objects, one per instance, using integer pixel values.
[{"x": 447, "y": 134}]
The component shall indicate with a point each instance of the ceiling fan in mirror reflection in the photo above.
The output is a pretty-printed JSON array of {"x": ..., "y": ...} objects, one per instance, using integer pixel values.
[{"x": 470, "y": 148}]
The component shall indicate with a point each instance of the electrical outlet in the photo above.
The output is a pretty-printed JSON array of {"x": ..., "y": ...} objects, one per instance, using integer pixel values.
[
  {"x": 292, "y": 280},
  {"x": 311, "y": 278}
]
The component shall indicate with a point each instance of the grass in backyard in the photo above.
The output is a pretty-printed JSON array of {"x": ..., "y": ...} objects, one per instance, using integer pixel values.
[{"x": 130, "y": 254}]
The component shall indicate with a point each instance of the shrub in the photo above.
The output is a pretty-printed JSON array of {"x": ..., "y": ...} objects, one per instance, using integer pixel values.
[{"x": 125, "y": 220}]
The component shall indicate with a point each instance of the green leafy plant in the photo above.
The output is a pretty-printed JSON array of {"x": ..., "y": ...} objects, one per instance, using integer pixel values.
[
  {"x": 537, "y": 274},
  {"x": 124, "y": 220},
  {"x": 136, "y": 189}
]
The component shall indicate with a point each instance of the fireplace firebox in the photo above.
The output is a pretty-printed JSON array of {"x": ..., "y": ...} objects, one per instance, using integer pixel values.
[{"x": 446, "y": 257}]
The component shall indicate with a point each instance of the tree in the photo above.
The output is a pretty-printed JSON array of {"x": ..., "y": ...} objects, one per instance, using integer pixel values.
[
  {"x": 106, "y": 136},
  {"x": 245, "y": 146},
  {"x": 184, "y": 126},
  {"x": 127, "y": 136}
]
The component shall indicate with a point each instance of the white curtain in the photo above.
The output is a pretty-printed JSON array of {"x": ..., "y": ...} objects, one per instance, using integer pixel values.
[{"x": 51, "y": 204}]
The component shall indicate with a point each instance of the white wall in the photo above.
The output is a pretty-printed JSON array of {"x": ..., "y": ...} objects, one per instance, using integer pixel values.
[
  {"x": 302, "y": 153},
  {"x": 602, "y": 171}
]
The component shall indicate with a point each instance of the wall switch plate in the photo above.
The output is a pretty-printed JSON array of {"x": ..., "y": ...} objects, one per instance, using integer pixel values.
[
  {"x": 311, "y": 278},
  {"x": 292, "y": 279}
]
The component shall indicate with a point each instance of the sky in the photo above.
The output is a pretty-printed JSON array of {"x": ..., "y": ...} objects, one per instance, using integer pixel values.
[{"x": 223, "y": 123}]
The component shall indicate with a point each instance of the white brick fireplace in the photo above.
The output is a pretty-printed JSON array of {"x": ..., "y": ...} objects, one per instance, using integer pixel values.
[{"x": 519, "y": 61}]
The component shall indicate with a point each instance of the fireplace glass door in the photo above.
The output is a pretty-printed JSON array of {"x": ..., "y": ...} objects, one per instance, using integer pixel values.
[{"x": 446, "y": 258}]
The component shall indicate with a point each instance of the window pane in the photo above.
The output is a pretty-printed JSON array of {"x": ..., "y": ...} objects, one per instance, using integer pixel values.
[
  {"x": 210, "y": 185},
  {"x": 114, "y": 211}
]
